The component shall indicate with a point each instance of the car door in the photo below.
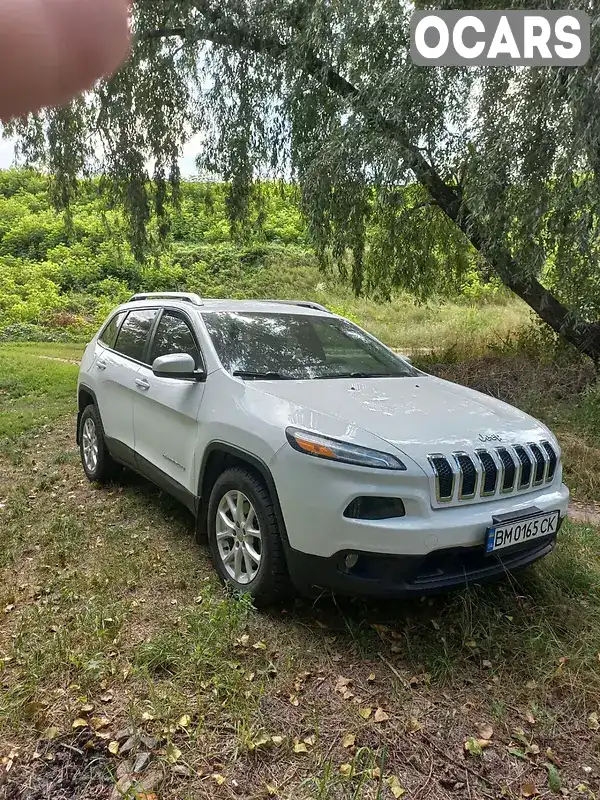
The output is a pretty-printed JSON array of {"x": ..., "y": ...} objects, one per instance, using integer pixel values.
[
  {"x": 166, "y": 409},
  {"x": 116, "y": 367}
]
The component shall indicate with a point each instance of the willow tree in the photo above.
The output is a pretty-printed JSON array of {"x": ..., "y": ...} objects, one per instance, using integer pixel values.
[{"x": 502, "y": 162}]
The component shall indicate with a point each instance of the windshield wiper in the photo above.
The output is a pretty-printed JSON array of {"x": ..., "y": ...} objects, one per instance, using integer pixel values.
[
  {"x": 261, "y": 376},
  {"x": 358, "y": 375}
]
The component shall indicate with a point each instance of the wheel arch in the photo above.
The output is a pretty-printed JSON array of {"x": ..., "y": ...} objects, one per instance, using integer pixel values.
[
  {"x": 220, "y": 456},
  {"x": 85, "y": 397}
]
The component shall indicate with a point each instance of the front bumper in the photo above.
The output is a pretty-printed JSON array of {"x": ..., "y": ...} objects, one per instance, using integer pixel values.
[
  {"x": 379, "y": 575},
  {"x": 314, "y": 494}
]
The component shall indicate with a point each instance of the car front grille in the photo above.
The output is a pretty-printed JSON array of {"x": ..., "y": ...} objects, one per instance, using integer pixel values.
[{"x": 490, "y": 472}]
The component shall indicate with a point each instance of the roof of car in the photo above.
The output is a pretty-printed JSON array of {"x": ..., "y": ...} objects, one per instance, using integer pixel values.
[{"x": 211, "y": 304}]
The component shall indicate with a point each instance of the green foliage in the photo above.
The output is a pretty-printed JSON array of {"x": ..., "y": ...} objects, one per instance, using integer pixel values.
[
  {"x": 63, "y": 282},
  {"x": 409, "y": 178}
]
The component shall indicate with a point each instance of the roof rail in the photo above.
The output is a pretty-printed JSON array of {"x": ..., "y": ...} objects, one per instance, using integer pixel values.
[
  {"x": 303, "y": 303},
  {"x": 188, "y": 297}
]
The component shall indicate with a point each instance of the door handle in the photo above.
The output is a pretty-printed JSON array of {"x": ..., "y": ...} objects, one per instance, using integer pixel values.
[
  {"x": 101, "y": 364},
  {"x": 142, "y": 384}
]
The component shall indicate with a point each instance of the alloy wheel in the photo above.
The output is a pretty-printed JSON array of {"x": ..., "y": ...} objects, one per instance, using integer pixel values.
[
  {"x": 90, "y": 445},
  {"x": 239, "y": 538}
]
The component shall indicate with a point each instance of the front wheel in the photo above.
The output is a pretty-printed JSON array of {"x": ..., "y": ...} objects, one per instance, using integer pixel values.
[
  {"x": 244, "y": 537},
  {"x": 97, "y": 463}
]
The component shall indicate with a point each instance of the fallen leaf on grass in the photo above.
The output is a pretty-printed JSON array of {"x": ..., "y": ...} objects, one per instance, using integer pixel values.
[
  {"x": 113, "y": 747},
  {"x": 277, "y": 740},
  {"x": 50, "y": 733},
  {"x": 310, "y": 740},
  {"x": 514, "y": 751},
  {"x": 529, "y": 717},
  {"x": 260, "y": 741},
  {"x": 348, "y": 740},
  {"x": 475, "y": 747},
  {"x": 381, "y": 715},
  {"x": 107, "y": 696},
  {"x": 414, "y": 725},
  {"x": 485, "y": 731},
  {"x": 147, "y": 716},
  {"x": 172, "y": 753},
  {"x": 184, "y": 721},
  {"x": 300, "y": 747},
  {"x": 365, "y": 712},
  {"x": 395, "y": 786},
  {"x": 293, "y": 699},
  {"x": 528, "y": 789},
  {"x": 593, "y": 721},
  {"x": 99, "y": 722},
  {"x": 271, "y": 790},
  {"x": 346, "y": 770},
  {"x": 218, "y": 778},
  {"x": 342, "y": 683},
  {"x": 259, "y": 646},
  {"x": 371, "y": 677},
  {"x": 79, "y": 723}
]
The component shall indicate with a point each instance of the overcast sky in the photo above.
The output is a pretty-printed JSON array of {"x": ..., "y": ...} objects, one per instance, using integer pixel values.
[{"x": 188, "y": 165}]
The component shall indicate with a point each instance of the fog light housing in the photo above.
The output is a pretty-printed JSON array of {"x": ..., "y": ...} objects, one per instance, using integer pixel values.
[
  {"x": 351, "y": 560},
  {"x": 375, "y": 508}
]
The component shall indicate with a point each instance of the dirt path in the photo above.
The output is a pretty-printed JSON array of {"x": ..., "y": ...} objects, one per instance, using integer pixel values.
[
  {"x": 63, "y": 360},
  {"x": 585, "y": 512}
]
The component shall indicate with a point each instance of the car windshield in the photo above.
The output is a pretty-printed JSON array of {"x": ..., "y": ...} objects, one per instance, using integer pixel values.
[{"x": 271, "y": 346}]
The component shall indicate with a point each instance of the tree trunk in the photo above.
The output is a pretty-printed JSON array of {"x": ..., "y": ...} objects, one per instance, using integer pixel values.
[{"x": 585, "y": 336}]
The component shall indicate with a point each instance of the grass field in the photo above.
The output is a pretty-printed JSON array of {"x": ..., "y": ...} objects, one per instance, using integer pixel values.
[{"x": 127, "y": 671}]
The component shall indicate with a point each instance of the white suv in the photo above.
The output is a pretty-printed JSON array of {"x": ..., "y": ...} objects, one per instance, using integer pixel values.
[{"x": 311, "y": 454}]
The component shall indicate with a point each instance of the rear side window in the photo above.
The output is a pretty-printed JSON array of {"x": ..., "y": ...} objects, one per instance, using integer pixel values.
[
  {"x": 134, "y": 333},
  {"x": 173, "y": 335},
  {"x": 109, "y": 334}
]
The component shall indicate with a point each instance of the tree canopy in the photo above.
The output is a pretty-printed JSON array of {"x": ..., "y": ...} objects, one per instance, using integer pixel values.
[{"x": 324, "y": 93}]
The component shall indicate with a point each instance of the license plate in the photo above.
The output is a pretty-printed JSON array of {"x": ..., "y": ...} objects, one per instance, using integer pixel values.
[{"x": 519, "y": 531}]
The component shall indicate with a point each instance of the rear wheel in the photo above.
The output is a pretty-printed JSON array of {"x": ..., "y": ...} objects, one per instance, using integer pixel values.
[
  {"x": 97, "y": 463},
  {"x": 244, "y": 537}
]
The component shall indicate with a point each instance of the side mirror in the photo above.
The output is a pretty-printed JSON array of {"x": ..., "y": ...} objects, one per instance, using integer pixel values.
[{"x": 177, "y": 365}]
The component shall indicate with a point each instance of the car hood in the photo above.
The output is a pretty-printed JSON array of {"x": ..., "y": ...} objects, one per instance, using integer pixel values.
[{"x": 417, "y": 415}]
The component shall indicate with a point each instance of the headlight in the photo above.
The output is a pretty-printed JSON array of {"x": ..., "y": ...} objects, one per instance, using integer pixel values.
[{"x": 323, "y": 447}]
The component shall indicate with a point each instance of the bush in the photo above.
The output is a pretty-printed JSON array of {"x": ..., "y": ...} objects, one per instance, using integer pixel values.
[{"x": 27, "y": 332}]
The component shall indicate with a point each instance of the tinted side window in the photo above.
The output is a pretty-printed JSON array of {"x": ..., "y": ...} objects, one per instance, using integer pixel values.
[
  {"x": 134, "y": 332},
  {"x": 109, "y": 335},
  {"x": 173, "y": 335}
]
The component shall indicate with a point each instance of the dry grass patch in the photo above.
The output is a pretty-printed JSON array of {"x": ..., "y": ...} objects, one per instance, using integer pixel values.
[{"x": 114, "y": 622}]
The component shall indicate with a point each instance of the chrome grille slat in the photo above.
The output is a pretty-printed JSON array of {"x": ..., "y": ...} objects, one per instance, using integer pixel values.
[
  {"x": 509, "y": 469},
  {"x": 444, "y": 477},
  {"x": 486, "y": 473},
  {"x": 539, "y": 464},
  {"x": 489, "y": 479},
  {"x": 525, "y": 468},
  {"x": 552, "y": 460},
  {"x": 467, "y": 480}
]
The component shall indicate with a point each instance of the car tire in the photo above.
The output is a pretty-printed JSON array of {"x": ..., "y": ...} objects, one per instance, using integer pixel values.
[
  {"x": 97, "y": 462},
  {"x": 231, "y": 545}
]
